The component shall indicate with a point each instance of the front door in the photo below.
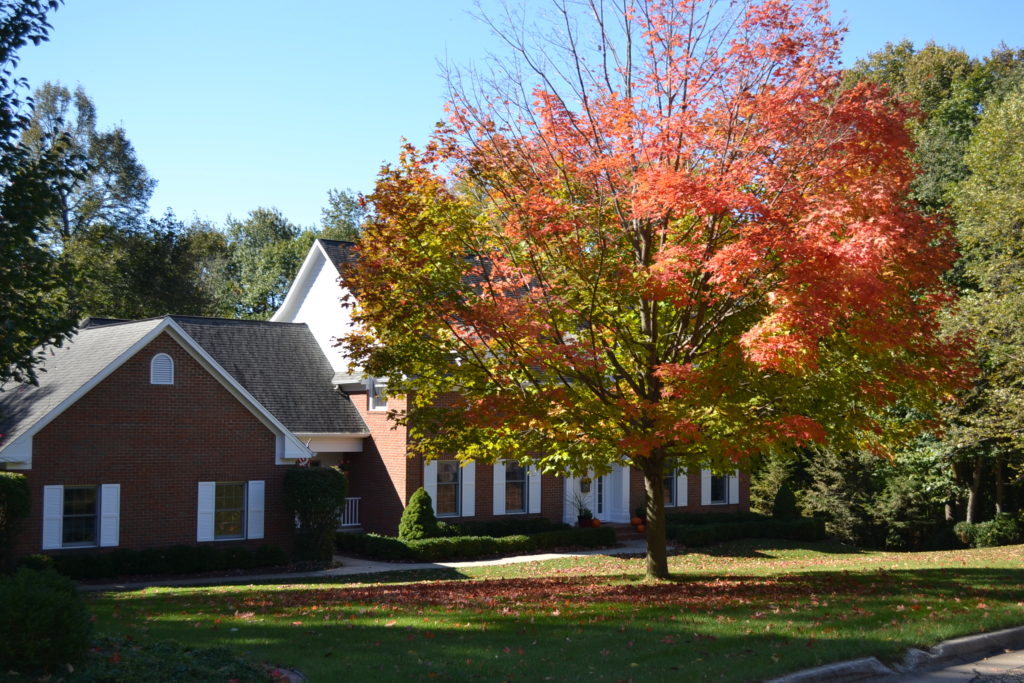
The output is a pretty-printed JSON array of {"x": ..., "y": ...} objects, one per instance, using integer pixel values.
[{"x": 606, "y": 497}]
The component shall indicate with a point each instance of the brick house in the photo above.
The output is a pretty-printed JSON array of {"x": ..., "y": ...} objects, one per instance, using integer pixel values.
[
  {"x": 384, "y": 478},
  {"x": 178, "y": 430}
]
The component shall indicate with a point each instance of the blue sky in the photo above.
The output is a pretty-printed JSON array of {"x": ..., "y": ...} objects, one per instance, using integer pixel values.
[{"x": 236, "y": 104}]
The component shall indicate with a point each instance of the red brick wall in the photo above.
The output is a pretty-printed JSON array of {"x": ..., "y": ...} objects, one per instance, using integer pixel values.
[
  {"x": 693, "y": 498},
  {"x": 382, "y": 475},
  {"x": 157, "y": 442}
]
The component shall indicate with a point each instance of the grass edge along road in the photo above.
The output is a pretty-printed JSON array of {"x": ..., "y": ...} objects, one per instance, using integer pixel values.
[{"x": 740, "y": 611}]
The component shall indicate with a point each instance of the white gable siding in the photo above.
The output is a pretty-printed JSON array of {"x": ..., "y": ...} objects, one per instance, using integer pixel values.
[{"x": 316, "y": 301}]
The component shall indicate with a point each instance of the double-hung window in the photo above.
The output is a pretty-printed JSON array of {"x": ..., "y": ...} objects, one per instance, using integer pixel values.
[
  {"x": 80, "y": 519},
  {"x": 719, "y": 489},
  {"x": 449, "y": 489},
  {"x": 516, "y": 489},
  {"x": 81, "y": 516},
  {"x": 229, "y": 510},
  {"x": 670, "y": 488}
]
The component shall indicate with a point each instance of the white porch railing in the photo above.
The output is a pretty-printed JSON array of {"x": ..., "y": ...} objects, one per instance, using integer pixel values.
[{"x": 349, "y": 516}]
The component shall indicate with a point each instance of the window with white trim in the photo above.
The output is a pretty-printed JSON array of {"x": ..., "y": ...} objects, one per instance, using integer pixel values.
[
  {"x": 449, "y": 490},
  {"x": 377, "y": 395},
  {"x": 81, "y": 516},
  {"x": 80, "y": 519},
  {"x": 229, "y": 510},
  {"x": 161, "y": 369},
  {"x": 516, "y": 488},
  {"x": 670, "y": 488},
  {"x": 719, "y": 490}
]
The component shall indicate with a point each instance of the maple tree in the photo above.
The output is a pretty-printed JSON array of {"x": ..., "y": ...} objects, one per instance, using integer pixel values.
[{"x": 683, "y": 248}]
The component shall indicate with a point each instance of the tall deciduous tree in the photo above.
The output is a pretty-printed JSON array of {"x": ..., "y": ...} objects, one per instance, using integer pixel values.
[
  {"x": 264, "y": 254},
  {"x": 343, "y": 217},
  {"x": 660, "y": 237},
  {"x": 989, "y": 207},
  {"x": 110, "y": 187},
  {"x": 32, "y": 313}
]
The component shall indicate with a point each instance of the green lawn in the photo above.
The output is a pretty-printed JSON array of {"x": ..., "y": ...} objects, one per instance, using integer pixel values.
[{"x": 741, "y": 611}]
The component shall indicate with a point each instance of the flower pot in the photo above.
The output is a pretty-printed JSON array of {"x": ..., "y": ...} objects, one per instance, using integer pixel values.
[{"x": 584, "y": 522}]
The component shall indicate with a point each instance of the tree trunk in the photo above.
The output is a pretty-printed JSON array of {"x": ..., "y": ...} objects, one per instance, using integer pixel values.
[
  {"x": 654, "y": 484},
  {"x": 972, "y": 498},
  {"x": 1000, "y": 486}
]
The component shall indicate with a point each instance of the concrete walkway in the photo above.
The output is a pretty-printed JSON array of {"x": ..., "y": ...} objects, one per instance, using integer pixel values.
[{"x": 352, "y": 566}]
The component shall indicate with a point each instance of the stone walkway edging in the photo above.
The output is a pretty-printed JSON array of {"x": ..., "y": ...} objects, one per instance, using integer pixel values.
[{"x": 957, "y": 650}]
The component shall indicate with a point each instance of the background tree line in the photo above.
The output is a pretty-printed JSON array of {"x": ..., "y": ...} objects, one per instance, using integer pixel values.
[
  {"x": 123, "y": 263},
  {"x": 970, "y": 153}
]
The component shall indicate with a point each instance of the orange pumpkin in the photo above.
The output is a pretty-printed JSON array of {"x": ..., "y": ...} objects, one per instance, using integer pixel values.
[
  {"x": 641, "y": 528},
  {"x": 595, "y": 522},
  {"x": 636, "y": 521}
]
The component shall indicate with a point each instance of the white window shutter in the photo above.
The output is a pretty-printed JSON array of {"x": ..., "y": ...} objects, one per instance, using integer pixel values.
[
  {"x": 469, "y": 489},
  {"x": 682, "y": 487},
  {"x": 207, "y": 504},
  {"x": 254, "y": 510},
  {"x": 705, "y": 487},
  {"x": 161, "y": 369},
  {"x": 53, "y": 516},
  {"x": 498, "y": 470},
  {"x": 734, "y": 488},
  {"x": 430, "y": 482},
  {"x": 110, "y": 515},
  {"x": 534, "y": 495}
]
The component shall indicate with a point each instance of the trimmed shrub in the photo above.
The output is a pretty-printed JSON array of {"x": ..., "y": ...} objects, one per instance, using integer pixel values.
[
  {"x": 179, "y": 559},
  {"x": 502, "y": 527},
  {"x": 784, "y": 505},
  {"x": 387, "y": 548},
  {"x": 697, "y": 535},
  {"x": 43, "y": 623},
  {"x": 15, "y": 505},
  {"x": 314, "y": 495},
  {"x": 418, "y": 520},
  {"x": 448, "y": 548},
  {"x": 1004, "y": 529}
]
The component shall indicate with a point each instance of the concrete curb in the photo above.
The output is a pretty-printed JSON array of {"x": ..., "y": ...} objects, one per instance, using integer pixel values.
[
  {"x": 955, "y": 651},
  {"x": 863, "y": 669}
]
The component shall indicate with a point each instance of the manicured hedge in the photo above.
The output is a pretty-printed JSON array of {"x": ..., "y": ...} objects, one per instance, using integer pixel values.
[
  {"x": 178, "y": 559},
  {"x": 502, "y": 527},
  {"x": 451, "y": 548},
  {"x": 708, "y": 532}
]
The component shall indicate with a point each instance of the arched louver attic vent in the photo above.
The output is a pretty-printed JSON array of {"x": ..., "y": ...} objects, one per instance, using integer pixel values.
[{"x": 161, "y": 369}]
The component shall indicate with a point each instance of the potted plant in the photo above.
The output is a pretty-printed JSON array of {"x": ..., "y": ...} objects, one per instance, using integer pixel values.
[{"x": 584, "y": 516}]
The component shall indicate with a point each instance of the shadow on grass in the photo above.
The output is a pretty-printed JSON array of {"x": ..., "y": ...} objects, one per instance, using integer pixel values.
[
  {"x": 574, "y": 627},
  {"x": 766, "y": 548}
]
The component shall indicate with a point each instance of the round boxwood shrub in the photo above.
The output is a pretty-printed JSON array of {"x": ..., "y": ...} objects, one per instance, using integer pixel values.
[
  {"x": 43, "y": 623},
  {"x": 418, "y": 520}
]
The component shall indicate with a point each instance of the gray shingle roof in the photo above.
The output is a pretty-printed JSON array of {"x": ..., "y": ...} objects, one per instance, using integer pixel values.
[
  {"x": 338, "y": 252},
  {"x": 282, "y": 366},
  {"x": 65, "y": 370}
]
